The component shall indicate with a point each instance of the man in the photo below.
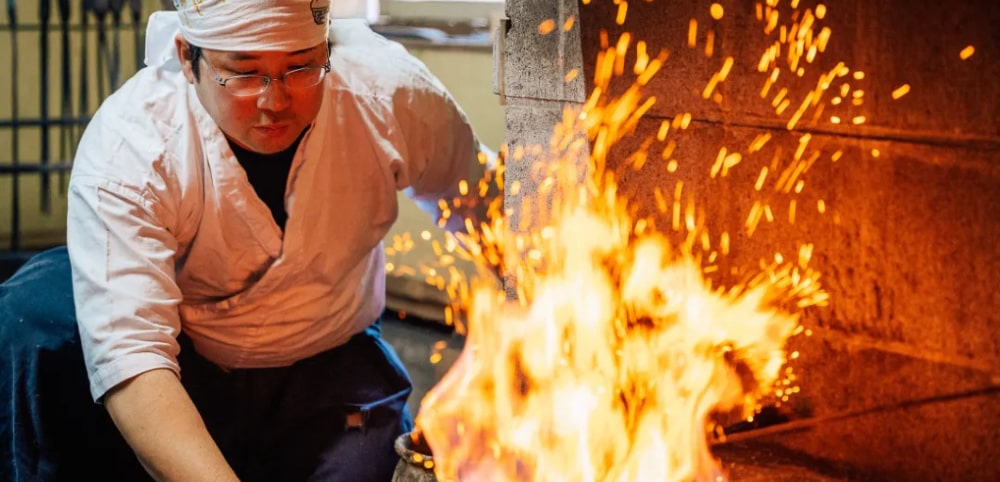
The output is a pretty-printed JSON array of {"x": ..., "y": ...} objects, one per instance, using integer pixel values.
[{"x": 225, "y": 216}]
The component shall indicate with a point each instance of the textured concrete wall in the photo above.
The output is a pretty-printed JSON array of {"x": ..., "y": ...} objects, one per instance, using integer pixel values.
[
  {"x": 907, "y": 245},
  {"x": 534, "y": 69}
]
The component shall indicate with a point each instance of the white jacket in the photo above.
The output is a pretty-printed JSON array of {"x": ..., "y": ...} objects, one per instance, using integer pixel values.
[{"x": 165, "y": 232}]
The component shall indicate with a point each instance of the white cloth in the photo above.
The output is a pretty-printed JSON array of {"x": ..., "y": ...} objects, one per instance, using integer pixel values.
[
  {"x": 253, "y": 25},
  {"x": 165, "y": 232},
  {"x": 243, "y": 32},
  {"x": 161, "y": 29}
]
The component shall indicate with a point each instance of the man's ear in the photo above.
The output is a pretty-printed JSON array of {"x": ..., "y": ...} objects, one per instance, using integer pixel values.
[{"x": 184, "y": 54}]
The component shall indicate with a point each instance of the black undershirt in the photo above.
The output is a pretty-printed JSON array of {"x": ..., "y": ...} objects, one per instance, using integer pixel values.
[{"x": 268, "y": 174}]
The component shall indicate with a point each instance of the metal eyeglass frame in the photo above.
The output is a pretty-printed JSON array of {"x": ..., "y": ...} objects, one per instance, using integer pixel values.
[{"x": 267, "y": 79}]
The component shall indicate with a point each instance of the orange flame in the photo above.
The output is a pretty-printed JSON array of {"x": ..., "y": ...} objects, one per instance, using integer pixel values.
[{"x": 611, "y": 371}]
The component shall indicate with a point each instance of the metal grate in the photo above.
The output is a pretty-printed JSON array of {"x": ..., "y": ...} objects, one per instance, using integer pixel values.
[{"x": 78, "y": 62}]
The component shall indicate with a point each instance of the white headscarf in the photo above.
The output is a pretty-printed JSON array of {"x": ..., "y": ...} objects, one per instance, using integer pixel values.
[{"x": 237, "y": 25}]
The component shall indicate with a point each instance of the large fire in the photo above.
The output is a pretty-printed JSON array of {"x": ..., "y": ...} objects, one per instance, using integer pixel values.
[
  {"x": 612, "y": 369},
  {"x": 612, "y": 349}
]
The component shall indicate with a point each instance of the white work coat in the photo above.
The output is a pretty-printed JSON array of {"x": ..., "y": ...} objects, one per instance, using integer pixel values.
[{"x": 166, "y": 233}]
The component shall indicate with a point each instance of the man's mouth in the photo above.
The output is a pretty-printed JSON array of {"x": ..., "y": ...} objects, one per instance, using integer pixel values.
[{"x": 272, "y": 129}]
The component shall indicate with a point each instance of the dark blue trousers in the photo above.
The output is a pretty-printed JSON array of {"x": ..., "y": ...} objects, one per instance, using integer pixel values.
[{"x": 331, "y": 417}]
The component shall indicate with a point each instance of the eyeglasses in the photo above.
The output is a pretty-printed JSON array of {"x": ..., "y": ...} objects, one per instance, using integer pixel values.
[{"x": 251, "y": 84}]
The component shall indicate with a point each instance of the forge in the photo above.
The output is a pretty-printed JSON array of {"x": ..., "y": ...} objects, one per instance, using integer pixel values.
[{"x": 859, "y": 138}]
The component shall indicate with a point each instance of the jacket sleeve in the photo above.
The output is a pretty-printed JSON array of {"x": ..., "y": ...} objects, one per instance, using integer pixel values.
[
  {"x": 122, "y": 257},
  {"x": 440, "y": 151},
  {"x": 445, "y": 161},
  {"x": 434, "y": 148}
]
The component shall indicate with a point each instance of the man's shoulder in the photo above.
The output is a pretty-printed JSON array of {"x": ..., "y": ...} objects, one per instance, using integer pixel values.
[
  {"x": 146, "y": 108},
  {"x": 134, "y": 126},
  {"x": 368, "y": 63},
  {"x": 151, "y": 93}
]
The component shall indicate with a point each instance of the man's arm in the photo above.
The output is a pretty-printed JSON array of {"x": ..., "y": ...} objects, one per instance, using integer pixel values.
[
  {"x": 126, "y": 301},
  {"x": 122, "y": 249},
  {"x": 158, "y": 420}
]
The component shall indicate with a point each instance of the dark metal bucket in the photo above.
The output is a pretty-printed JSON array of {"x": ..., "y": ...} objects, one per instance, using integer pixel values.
[{"x": 416, "y": 464}]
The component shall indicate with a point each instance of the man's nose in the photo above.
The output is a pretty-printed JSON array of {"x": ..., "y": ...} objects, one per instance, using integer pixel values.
[{"x": 275, "y": 98}]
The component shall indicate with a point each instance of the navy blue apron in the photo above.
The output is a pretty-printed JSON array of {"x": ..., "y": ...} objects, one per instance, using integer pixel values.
[{"x": 330, "y": 417}]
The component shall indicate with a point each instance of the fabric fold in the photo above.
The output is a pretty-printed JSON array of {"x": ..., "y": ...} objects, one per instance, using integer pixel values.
[{"x": 236, "y": 25}]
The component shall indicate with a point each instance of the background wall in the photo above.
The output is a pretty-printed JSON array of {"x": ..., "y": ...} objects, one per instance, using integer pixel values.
[{"x": 22, "y": 61}]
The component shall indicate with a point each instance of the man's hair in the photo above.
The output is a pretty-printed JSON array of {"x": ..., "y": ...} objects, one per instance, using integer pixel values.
[{"x": 194, "y": 53}]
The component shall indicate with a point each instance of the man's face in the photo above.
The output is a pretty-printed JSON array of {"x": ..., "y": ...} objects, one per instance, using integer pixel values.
[{"x": 268, "y": 122}]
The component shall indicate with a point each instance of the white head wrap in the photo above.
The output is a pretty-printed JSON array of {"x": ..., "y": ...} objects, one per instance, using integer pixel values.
[{"x": 237, "y": 25}]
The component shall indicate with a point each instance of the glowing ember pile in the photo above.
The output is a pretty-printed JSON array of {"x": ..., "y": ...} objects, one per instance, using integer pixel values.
[{"x": 613, "y": 346}]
